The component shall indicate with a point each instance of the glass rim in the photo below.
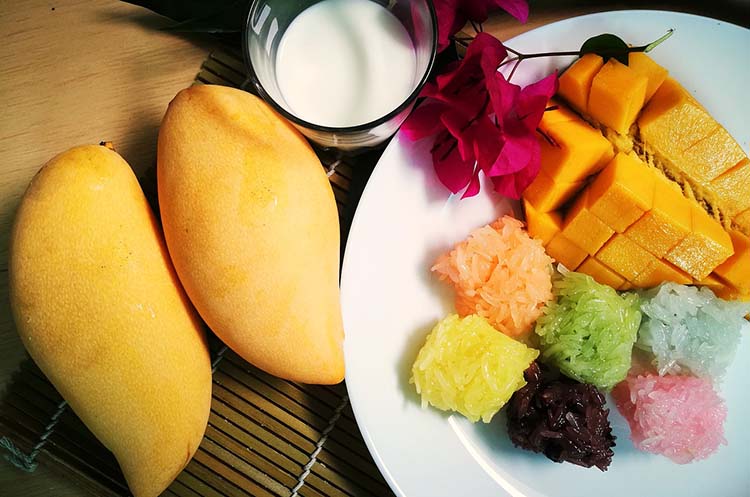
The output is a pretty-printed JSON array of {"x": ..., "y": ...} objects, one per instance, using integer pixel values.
[{"x": 338, "y": 129}]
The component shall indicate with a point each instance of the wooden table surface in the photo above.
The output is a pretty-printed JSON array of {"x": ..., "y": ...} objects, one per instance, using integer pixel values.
[{"x": 77, "y": 72}]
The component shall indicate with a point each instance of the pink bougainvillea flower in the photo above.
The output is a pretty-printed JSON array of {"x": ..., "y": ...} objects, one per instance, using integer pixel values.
[
  {"x": 452, "y": 15},
  {"x": 482, "y": 122}
]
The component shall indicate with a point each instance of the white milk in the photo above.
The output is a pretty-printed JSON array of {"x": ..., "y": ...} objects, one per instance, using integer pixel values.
[{"x": 345, "y": 62}]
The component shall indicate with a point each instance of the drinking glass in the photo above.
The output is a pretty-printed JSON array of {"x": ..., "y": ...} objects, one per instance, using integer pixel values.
[{"x": 266, "y": 23}]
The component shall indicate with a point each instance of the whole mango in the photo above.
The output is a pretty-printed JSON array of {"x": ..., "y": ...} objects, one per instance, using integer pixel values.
[
  {"x": 252, "y": 227},
  {"x": 101, "y": 311}
]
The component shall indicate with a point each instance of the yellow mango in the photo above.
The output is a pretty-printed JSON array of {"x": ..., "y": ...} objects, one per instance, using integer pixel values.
[
  {"x": 645, "y": 66},
  {"x": 705, "y": 247},
  {"x": 252, "y": 227},
  {"x": 588, "y": 231},
  {"x": 601, "y": 273},
  {"x": 659, "y": 271},
  {"x": 625, "y": 257},
  {"x": 622, "y": 192},
  {"x": 573, "y": 150},
  {"x": 547, "y": 195},
  {"x": 99, "y": 308},
  {"x": 674, "y": 121},
  {"x": 617, "y": 96},
  {"x": 565, "y": 251},
  {"x": 736, "y": 269},
  {"x": 710, "y": 157},
  {"x": 557, "y": 113},
  {"x": 742, "y": 221},
  {"x": 731, "y": 190},
  {"x": 667, "y": 223},
  {"x": 541, "y": 225},
  {"x": 575, "y": 82}
]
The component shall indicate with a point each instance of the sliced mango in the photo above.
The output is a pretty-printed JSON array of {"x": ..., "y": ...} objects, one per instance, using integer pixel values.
[
  {"x": 645, "y": 66},
  {"x": 547, "y": 195},
  {"x": 617, "y": 96},
  {"x": 674, "y": 121},
  {"x": 566, "y": 252},
  {"x": 557, "y": 113},
  {"x": 742, "y": 221},
  {"x": 705, "y": 247},
  {"x": 588, "y": 231},
  {"x": 601, "y": 273},
  {"x": 716, "y": 284},
  {"x": 710, "y": 157},
  {"x": 667, "y": 223},
  {"x": 575, "y": 82},
  {"x": 542, "y": 225},
  {"x": 660, "y": 271},
  {"x": 731, "y": 190},
  {"x": 573, "y": 150},
  {"x": 736, "y": 269},
  {"x": 625, "y": 257},
  {"x": 622, "y": 192}
]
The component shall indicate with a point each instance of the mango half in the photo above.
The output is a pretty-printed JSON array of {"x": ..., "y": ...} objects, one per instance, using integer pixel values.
[
  {"x": 252, "y": 227},
  {"x": 99, "y": 308}
]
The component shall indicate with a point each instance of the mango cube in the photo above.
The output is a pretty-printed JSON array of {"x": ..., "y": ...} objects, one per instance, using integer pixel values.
[
  {"x": 742, "y": 221},
  {"x": 573, "y": 150},
  {"x": 542, "y": 225},
  {"x": 625, "y": 257},
  {"x": 715, "y": 283},
  {"x": 705, "y": 247},
  {"x": 565, "y": 252},
  {"x": 732, "y": 189},
  {"x": 658, "y": 272},
  {"x": 557, "y": 113},
  {"x": 601, "y": 273},
  {"x": 674, "y": 121},
  {"x": 667, "y": 223},
  {"x": 575, "y": 82},
  {"x": 710, "y": 157},
  {"x": 547, "y": 195},
  {"x": 588, "y": 231},
  {"x": 622, "y": 192},
  {"x": 644, "y": 65},
  {"x": 617, "y": 96},
  {"x": 736, "y": 269}
]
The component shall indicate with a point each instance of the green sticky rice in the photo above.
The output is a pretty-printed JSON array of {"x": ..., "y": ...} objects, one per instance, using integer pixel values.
[
  {"x": 468, "y": 366},
  {"x": 589, "y": 330}
]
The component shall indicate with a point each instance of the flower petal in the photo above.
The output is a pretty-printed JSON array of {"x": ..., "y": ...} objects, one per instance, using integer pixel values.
[
  {"x": 533, "y": 100},
  {"x": 452, "y": 171},
  {"x": 424, "y": 121},
  {"x": 517, "y": 8},
  {"x": 513, "y": 185}
]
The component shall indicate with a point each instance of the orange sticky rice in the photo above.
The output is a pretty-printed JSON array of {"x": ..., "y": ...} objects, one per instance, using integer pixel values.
[{"x": 500, "y": 273}]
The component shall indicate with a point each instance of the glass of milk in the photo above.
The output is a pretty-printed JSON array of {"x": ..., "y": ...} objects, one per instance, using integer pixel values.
[{"x": 346, "y": 73}]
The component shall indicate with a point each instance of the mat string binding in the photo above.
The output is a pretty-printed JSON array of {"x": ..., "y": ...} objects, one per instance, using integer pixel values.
[{"x": 27, "y": 462}]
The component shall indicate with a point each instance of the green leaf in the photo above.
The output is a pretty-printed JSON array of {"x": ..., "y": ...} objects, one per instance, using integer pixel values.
[
  {"x": 217, "y": 16},
  {"x": 607, "y": 46}
]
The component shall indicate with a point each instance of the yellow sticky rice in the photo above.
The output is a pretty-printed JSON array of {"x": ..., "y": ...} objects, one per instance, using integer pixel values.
[{"x": 468, "y": 366}]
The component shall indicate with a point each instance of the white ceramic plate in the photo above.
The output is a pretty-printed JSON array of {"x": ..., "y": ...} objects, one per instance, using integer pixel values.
[{"x": 391, "y": 301}]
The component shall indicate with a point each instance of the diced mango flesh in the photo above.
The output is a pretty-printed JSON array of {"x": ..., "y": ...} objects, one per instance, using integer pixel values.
[
  {"x": 731, "y": 190},
  {"x": 710, "y": 157},
  {"x": 742, "y": 221},
  {"x": 617, "y": 96},
  {"x": 660, "y": 271},
  {"x": 601, "y": 273},
  {"x": 566, "y": 252},
  {"x": 625, "y": 257},
  {"x": 575, "y": 82},
  {"x": 736, "y": 269},
  {"x": 557, "y": 112},
  {"x": 588, "y": 231},
  {"x": 705, "y": 247},
  {"x": 720, "y": 287},
  {"x": 548, "y": 195},
  {"x": 573, "y": 150},
  {"x": 542, "y": 225},
  {"x": 645, "y": 66},
  {"x": 674, "y": 121},
  {"x": 622, "y": 192},
  {"x": 667, "y": 223}
]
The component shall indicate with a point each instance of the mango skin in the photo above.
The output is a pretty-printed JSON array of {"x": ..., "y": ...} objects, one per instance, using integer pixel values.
[
  {"x": 252, "y": 227},
  {"x": 99, "y": 308}
]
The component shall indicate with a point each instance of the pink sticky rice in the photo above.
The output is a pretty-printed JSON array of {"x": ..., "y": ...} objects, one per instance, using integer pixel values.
[
  {"x": 500, "y": 273},
  {"x": 680, "y": 417}
]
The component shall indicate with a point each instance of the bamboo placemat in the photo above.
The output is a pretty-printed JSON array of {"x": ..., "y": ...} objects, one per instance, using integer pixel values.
[{"x": 265, "y": 436}]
